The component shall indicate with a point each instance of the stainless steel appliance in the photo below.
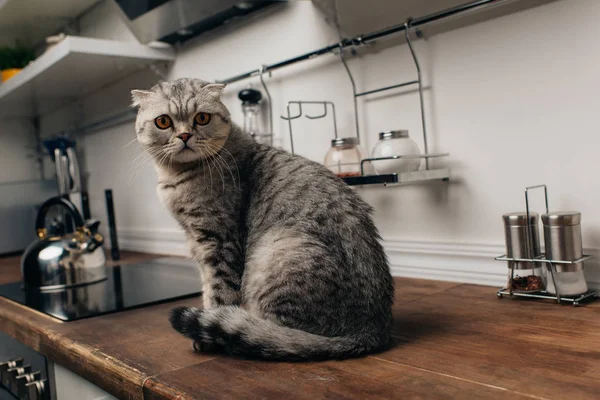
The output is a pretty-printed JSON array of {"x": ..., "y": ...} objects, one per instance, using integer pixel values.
[
  {"x": 24, "y": 373},
  {"x": 56, "y": 261},
  {"x": 127, "y": 287},
  {"x": 178, "y": 20}
]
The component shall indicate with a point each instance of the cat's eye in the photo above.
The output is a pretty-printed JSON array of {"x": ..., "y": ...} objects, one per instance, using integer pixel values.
[
  {"x": 202, "y": 118},
  {"x": 163, "y": 122}
]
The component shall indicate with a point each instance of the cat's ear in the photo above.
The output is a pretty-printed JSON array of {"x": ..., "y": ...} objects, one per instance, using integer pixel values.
[
  {"x": 215, "y": 89},
  {"x": 137, "y": 96}
]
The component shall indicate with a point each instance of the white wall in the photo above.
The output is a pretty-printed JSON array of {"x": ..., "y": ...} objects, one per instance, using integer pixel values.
[
  {"x": 17, "y": 162},
  {"x": 513, "y": 102}
]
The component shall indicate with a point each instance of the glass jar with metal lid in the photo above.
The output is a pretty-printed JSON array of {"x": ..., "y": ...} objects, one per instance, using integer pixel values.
[
  {"x": 395, "y": 143},
  {"x": 522, "y": 240},
  {"x": 344, "y": 157},
  {"x": 562, "y": 237}
]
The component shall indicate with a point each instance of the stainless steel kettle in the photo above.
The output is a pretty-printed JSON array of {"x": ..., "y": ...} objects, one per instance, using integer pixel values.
[{"x": 55, "y": 262}]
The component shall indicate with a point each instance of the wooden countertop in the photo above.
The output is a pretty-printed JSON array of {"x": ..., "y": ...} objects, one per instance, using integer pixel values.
[{"x": 451, "y": 341}]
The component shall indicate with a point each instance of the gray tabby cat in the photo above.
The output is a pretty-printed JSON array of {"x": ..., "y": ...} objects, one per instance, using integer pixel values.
[{"x": 274, "y": 232}]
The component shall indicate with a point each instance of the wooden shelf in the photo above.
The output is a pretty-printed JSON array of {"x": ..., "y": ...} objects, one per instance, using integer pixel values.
[
  {"x": 72, "y": 69},
  {"x": 31, "y": 21}
]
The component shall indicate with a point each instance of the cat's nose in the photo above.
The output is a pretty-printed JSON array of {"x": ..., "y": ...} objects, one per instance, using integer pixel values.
[{"x": 185, "y": 137}]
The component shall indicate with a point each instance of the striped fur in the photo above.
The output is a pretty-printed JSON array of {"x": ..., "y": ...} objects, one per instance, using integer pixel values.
[{"x": 272, "y": 231}]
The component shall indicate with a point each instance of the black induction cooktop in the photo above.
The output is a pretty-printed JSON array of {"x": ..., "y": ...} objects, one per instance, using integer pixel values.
[{"x": 130, "y": 286}]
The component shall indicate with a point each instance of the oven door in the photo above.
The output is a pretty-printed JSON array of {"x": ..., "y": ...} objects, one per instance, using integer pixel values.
[{"x": 23, "y": 372}]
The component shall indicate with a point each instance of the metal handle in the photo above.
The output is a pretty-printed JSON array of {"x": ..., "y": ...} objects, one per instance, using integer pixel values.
[
  {"x": 5, "y": 366},
  {"x": 56, "y": 201},
  {"x": 59, "y": 172},
  {"x": 64, "y": 166},
  {"x": 23, "y": 380},
  {"x": 11, "y": 376},
  {"x": 37, "y": 390},
  {"x": 74, "y": 171},
  {"x": 529, "y": 228}
]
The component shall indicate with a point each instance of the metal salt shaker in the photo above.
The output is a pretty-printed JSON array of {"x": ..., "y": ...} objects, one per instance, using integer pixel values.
[{"x": 562, "y": 236}]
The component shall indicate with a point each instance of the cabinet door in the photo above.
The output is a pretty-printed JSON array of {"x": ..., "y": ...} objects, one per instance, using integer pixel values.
[{"x": 70, "y": 386}]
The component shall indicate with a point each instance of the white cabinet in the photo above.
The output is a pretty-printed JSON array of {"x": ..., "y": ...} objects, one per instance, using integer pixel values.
[{"x": 70, "y": 386}]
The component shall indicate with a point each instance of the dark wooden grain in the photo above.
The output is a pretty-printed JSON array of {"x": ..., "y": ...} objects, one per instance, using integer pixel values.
[
  {"x": 450, "y": 341},
  {"x": 539, "y": 348},
  {"x": 365, "y": 378}
]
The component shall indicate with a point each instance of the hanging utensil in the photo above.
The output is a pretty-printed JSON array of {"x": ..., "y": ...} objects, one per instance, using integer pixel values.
[
  {"x": 74, "y": 171},
  {"x": 59, "y": 172}
]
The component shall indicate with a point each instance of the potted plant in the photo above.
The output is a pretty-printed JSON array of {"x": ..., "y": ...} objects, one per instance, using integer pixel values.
[{"x": 13, "y": 60}]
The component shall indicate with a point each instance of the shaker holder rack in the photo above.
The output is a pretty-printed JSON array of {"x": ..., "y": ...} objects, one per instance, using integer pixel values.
[
  {"x": 425, "y": 175},
  {"x": 550, "y": 264}
]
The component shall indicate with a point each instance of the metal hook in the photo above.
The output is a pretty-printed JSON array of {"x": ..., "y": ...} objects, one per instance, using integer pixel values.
[
  {"x": 290, "y": 117},
  {"x": 420, "y": 83},
  {"x": 319, "y": 116},
  {"x": 262, "y": 70},
  {"x": 353, "y": 88}
]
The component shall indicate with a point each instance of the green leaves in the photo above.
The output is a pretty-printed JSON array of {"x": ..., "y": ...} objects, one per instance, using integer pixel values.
[{"x": 15, "y": 57}]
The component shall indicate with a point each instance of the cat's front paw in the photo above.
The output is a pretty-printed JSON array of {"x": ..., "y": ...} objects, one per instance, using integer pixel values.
[
  {"x": 186, "y": 320},
  {"x": 203, "y": 347}
]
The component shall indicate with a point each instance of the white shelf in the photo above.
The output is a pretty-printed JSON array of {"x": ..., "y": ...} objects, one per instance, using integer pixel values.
[
  {"x": 32, "y": 20},
  {"x": 73, "y": 68}
]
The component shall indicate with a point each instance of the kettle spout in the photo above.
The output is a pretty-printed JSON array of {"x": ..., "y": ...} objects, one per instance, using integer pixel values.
[{"x": 95, "y": 240}]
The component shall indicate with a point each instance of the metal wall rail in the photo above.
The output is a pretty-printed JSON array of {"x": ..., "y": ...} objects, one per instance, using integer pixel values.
[{"x": 364, "y": 39}]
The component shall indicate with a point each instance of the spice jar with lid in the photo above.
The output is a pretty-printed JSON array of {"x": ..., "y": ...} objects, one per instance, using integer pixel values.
[
  {"x": 251, "y": 99},
  {"x": 562, "y": 237},
  {"x": 344, "y": 157},
  {"x": 395, "y": 143},
  {"x": 523, "y": 241}
]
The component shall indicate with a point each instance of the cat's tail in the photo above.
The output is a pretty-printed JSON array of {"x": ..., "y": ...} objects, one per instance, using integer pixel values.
[{"x": 239, "y": 332}]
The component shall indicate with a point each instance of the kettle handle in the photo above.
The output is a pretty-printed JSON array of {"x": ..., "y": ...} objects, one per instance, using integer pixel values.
[{"x": 56, "y": 201}]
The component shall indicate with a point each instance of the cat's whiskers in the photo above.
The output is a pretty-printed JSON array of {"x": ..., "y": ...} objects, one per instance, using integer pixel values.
[
  {"x": 234, "y": 163},
  {"x": 219, "y": 164},
  {"x": 208, "y": 162},
  {"x": 223, "y": 162},
  {"x": 141, "y": 160},
  {"x": 209, "y": 172},
  {"x": 128, "y": 144}
]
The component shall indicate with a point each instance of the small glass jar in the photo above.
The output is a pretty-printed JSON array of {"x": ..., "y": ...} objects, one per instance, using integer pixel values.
[
  {"x": 528, "y": 280},
  {"x": 251, "y": 99},
  {"x": 569, "y": 279},
  {"x": 395, "y": 143},
  {"x": 344, "y": 157},
  {"x": 523, "y": 242}
]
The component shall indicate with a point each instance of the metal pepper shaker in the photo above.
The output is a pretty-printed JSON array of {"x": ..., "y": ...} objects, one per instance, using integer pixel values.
[{"x": 522, "y": 241}]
